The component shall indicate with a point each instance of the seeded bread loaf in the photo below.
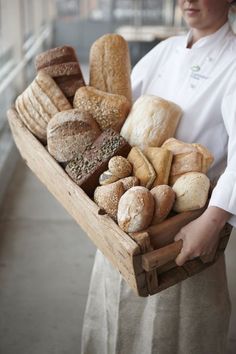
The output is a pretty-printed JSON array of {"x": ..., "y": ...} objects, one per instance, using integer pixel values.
[
  {"x": 151, "y": 121},
  {"x": 109, "y": 110},
  {"x": 69, "y": 133},
  {"x": 110, "y": 65},
  {"x": 86, "y": 168}
]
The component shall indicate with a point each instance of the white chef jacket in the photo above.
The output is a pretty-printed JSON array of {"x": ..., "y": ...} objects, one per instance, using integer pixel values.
[{"x": 202, "y": 81}]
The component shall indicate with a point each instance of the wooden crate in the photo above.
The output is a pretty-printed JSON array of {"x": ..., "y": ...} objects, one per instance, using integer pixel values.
[{"x": 144, "y": 259}]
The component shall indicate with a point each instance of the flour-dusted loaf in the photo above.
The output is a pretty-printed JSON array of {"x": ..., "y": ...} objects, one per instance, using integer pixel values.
[
  {"x": 110, "y": 65},
  {"x": 86, "y": 168},
  {"x": 151, "y": 121},
  {"x": 135, "y": 209},
  {"x": 161, "y": 160},
  {"x": 120, "y": 166},
  {"x": 41, "y": 100},
  {"x": 164, "y": 198},
  {"x": 109, "y": 110},
  {"x": 69, "y": 133},
  {"x": 62, "y": 65},
  {"x": 191, "y": 190},
  {"x": 142, "y": 168},
  {"x": 108, "y": 196}
]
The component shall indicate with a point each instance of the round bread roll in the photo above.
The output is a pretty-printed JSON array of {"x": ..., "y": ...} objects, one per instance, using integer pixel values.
[
  {"x": 129, "y": 182},
  {"x": 135, "y": 209},
  {"x": 164, "y": 197},
  {"x": 191, "y": 190},
  {"x": 107, "y": 177},
  {"x": 69, "y": 133},
  {"x": 119, "y": 166},
  {"x": 107, "y": 197}
]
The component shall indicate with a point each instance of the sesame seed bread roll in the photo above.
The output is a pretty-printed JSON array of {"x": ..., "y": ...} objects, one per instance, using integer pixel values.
[
  {"x": 151, "y": 121},
  {"x": 135, "y": 209},
  {"x": 191, "y": 190},
  {"x": 110, "y": 65},
  {"x": 107, "y": 197},
  {"x": 109, "y": 110}
]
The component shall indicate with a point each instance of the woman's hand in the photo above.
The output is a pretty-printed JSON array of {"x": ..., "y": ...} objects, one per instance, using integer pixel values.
[{"x": 201, "y": 236}]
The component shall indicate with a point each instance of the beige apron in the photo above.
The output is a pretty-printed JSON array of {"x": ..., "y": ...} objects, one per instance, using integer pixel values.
[{"x": 191, "y": 317}]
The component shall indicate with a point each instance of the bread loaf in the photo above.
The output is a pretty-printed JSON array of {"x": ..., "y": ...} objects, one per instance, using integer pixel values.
[
  {"x": 59, "y": 55},
  {"x": 109, "y": 110},
  {"x": 108, "y": 196},
  {"x": 151, "y": 121},
  {"x": 161, "y": 160},
  {"x": 135, "y": 209},
  {"x": 86, "y": 168},
  {"x": 62, "y": 65},
  {"x": 178, "y": 147},
  {"x": 164, "y": 198},
  {"x": 39, "y": 103},
  {"x": 69, "y": 133},
  {"x": 110, "y": 65},
  {"x": 191, "y": 190},
  {"x": 142, "y": 168}
]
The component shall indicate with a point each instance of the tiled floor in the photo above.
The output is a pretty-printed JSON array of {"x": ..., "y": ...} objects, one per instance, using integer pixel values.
[{"x": 45, "y": 265}]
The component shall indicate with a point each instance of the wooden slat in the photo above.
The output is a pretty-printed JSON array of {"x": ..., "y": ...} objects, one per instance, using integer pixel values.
[
  {"x": 163, "y": 234},
  {"x": 115, "y": 244},
  {"x": 157, "y": 258},
  {"x": 143, "y": 240}
]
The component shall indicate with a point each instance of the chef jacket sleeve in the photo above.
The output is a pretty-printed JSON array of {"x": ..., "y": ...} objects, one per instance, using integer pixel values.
[{"x": 224, "y": 194}]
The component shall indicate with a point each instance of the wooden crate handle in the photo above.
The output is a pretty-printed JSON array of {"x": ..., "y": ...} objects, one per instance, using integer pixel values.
[{"x": 159, "y": 257}]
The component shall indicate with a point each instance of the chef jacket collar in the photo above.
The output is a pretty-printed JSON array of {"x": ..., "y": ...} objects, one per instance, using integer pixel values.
[{"x": 206, "y": 41}]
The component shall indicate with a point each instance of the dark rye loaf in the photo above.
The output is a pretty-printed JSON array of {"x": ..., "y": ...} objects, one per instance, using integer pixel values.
[{"x": 86, "y": 168}]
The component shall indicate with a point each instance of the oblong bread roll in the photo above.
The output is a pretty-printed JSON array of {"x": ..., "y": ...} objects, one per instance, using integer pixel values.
[
  {"x": 110, "y": 66},
  {"x": 151, "y": 121}
]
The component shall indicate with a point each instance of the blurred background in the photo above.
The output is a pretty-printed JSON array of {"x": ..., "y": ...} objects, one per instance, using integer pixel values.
[{"x": 45, "y": 258}]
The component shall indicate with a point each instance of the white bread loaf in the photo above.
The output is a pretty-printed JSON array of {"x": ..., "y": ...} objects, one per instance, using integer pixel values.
[
  {"x": 71, "y": 132},
  {"x": 109, "y": 65},
  {"x": 109, "y": 110},
  {"x": 164, "y": 197},
  {"x": 151, "y": 121},
  {"x": 191, "y": 190},
  {"x": 135, "y": 209}
]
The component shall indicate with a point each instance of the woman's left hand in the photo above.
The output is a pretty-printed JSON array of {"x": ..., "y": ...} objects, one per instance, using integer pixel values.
[{"x": 201, "y": 236}]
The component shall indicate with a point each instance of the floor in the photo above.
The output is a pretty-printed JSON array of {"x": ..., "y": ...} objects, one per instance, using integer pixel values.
[{"x": 45, "y": 266}]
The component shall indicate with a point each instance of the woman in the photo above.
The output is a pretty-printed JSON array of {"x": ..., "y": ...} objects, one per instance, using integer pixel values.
[{"x": 198, "y": 73}]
